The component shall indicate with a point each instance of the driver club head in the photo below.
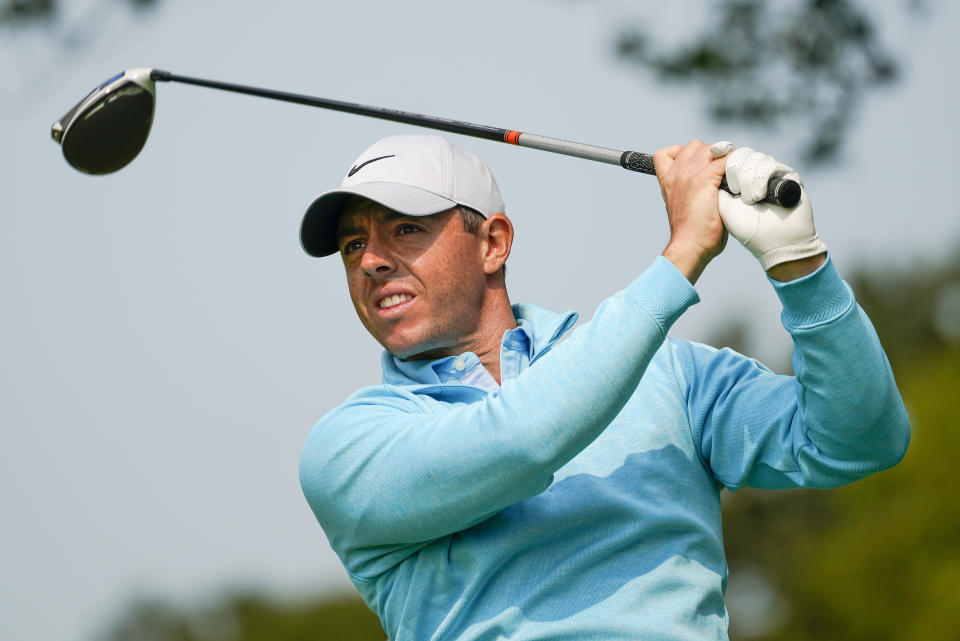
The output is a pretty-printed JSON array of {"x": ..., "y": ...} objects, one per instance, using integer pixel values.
[{"x": 108, "y": 128}]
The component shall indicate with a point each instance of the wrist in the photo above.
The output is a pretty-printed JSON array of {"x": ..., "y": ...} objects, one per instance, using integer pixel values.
[
  {"x": 794, "y": 269},
  {"x": 689, "y": 261}
]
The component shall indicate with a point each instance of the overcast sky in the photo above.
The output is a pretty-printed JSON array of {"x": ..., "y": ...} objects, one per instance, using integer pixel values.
[{"x": 166, "y": 344}]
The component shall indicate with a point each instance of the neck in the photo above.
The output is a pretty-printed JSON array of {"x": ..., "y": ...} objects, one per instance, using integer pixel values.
[{"x": 496, "y": 317}]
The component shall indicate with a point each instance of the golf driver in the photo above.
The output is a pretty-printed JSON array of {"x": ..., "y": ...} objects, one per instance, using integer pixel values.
[{"x": 108, "y": 128}]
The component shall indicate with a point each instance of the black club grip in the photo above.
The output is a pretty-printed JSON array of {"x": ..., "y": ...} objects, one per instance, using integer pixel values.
[{"x": 785, "y": 193}]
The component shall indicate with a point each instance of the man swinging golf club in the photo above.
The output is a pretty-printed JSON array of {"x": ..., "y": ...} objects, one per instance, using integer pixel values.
[{"x": 506, "y": 483}]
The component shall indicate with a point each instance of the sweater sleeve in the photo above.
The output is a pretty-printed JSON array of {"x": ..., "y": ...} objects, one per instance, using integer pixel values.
[
  {"x": 837, "y": 420},
  {"x": 387, "y": 468}
]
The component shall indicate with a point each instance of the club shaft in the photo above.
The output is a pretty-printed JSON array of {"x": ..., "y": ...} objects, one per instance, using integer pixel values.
[
  {"x": 533, "y": 141},
  {"x": 781, "y": 192}
]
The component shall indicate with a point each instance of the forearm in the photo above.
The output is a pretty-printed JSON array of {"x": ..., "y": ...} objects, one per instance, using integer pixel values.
[
  {"x": 837, "y": 420},
  {"x": 572, "y": 393},
  {"x": 851, "y": 409}
]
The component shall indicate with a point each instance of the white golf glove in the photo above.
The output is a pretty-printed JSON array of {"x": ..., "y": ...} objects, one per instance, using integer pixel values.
[{"x": 773, "y": 234}]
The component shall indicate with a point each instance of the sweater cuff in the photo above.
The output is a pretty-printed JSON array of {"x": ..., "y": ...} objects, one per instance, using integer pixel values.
[
  {"x": 814, "y": 299},
  {"x": 663, "y": 292}
]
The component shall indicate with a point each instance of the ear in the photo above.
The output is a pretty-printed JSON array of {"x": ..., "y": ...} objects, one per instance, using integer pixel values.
[
  {"x": 497, "y": 239},
  {"x": 497, "y": 236}
]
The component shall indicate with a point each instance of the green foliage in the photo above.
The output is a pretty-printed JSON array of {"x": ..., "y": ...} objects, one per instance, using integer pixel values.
[
  {"x": 875, "y": 560},
  {"x": 765, "y": 63},
  {"x": 910, "y": 310},
  {"x": 248, "y": 617}
]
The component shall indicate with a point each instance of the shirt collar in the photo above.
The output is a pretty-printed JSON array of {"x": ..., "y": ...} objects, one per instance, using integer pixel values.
[{"x": 536, "y": 332}]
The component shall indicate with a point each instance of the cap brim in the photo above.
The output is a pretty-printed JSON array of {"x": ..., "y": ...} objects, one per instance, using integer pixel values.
[{"x": 318, "y": 231}]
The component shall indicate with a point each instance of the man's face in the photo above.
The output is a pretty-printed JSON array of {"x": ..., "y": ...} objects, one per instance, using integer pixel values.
[{"x": 417, "y": 282}]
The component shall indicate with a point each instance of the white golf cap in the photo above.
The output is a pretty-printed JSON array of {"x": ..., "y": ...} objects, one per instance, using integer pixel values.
[{"x": 416, "y": 175}]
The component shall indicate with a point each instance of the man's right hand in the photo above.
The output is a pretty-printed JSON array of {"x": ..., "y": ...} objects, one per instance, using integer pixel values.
[{"x": 689, "y": 178}]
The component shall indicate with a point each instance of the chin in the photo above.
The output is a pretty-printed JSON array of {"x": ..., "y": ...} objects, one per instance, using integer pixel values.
[
  {"x": 400, "y": 352},
  {"x": 401, "y": 348},
  {"x": 407, "y": 353},
  {"x": 412, "y": 349}
]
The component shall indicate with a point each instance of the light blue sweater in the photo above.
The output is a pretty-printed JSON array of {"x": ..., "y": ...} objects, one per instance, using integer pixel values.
[{"x": 581, "y": 500}]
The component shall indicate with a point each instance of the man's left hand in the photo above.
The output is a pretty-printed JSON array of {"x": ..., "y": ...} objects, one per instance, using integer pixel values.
[
  {"x": 783, "y": 240},
  {"x": 689, "y": 177}
]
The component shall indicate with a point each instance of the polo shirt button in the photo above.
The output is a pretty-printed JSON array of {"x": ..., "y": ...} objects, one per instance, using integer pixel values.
[{"x": 459, "y": 365}]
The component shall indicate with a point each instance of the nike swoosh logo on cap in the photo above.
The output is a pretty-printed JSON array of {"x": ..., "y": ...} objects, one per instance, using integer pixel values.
[{"x": 357, "y": 168}]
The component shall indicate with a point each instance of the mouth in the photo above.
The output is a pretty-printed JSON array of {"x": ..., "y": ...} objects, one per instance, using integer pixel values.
[{"x": 393, "y": 302}]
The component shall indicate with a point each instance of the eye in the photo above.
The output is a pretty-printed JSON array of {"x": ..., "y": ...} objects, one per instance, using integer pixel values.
[
  {"x": 407, "y": 228},
  {"x": 352, "y": 246}
]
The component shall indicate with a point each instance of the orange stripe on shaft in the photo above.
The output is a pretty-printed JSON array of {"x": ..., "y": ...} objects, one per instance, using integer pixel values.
[{"x": 512, "y": 137}]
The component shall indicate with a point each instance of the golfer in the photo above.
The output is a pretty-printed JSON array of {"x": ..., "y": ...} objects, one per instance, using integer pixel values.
[{"x": 512, "y": 478}]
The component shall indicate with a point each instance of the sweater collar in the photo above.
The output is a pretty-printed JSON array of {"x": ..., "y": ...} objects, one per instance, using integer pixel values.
[{"x": 537, "y": 331}]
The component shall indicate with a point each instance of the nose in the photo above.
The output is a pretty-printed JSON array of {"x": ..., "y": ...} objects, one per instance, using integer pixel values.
[{"x": 377, "y": 259}]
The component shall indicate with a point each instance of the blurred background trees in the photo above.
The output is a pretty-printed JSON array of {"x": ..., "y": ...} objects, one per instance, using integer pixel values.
[
  {"x": 21, "y": 12},
  {"x": 877, "y": 559},
  {"x": 804, "y": 66},
  {"x": 247, "y": 616}
]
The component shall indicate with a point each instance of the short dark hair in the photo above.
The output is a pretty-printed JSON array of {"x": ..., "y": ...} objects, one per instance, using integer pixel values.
[{"x": 471, "y": 218}]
